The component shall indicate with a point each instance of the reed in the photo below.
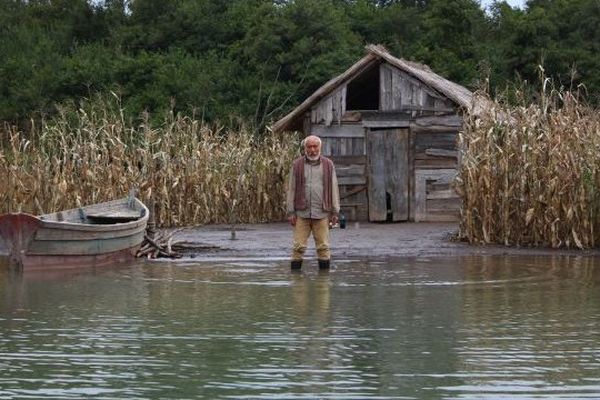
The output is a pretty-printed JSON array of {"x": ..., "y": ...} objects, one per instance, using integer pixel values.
[
  {"x": 194, "y": 173},
  {"x": 530, "y": 175}
]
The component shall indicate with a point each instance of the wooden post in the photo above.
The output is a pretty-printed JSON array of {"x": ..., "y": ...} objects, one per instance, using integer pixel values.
[{"x": 151, "y": 226}]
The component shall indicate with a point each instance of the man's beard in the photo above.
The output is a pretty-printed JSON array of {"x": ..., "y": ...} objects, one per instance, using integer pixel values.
[{"x": 313, "y": 158}]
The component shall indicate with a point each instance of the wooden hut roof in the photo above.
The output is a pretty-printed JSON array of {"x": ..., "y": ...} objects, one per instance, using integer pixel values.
[{"x": 375, "y": 53}]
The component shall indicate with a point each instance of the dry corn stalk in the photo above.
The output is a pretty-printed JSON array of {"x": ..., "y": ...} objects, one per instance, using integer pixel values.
[
  {"x": 530, "y": 175},
  {"x": 196, "y": 174}
]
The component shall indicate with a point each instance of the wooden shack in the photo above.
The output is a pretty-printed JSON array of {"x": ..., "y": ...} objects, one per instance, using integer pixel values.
[{"x": 391, "y": 128}]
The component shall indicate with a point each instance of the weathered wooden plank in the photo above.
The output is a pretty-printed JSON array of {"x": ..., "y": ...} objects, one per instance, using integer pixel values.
[
  {"x": 422, "y": 177},
  {"x": 376, "y": 176},
  {"x": 350, "y": 170},
  {"x": 349, "y": 160},
  {"x": 411, "y": 174},
  {"x": 442, "y": 103},
  {"x": 344, "y": 91},
  {"x": 448, "y": 120},
  {"x": 443, "y": 163},
  {"x": 388, "y": 174},
  {"x": 359, "y": 146},
  {"x": 442, "y": 194},
  {"x": 338, "y": 105},
  {"x": 446, "y": 141},
  {"x": 397, "y": 91},
  {"x": 386, "y": 124},
  {"x": 432, "y": 129},
  {"x": 328, "y": 110},
  {"x": 56, "y": 234},
  {"x": 397, "y": 172},
  {"x": 346, "y": 146},
  {"x": 423, "y": 156},
  {"x": 315, "y": 116},
  {"x": 352, "y": 180},
  {"x": 306, "y": 124},
  {"x": 83, "y": 247},
  {"x": 335, "y": 131},
  {"x": 437, "y": 185},
  {"x": 430, "y": 101},
  {"x": 442, "y": 153},
  {"x": 334, "y": 146},
  {"x": 385, "y": 88},
  {"x": 326, "y": 148},
  {"x": 425, "y": 111},
  {"x": 414, "y": 82},
  {"x": 386, "y": 115},
  {"x": 406, "y": 92},
  {"x": 354, "y": 194}
]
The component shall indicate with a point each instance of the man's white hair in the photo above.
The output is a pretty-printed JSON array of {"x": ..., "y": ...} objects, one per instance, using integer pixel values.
[{"x": 313, "y": 137}]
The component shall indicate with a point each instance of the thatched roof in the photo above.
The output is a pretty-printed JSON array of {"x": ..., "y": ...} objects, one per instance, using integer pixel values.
[{"x": 375, "y": 53}]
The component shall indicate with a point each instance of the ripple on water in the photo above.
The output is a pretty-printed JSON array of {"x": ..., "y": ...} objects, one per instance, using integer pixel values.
[{"x": 470, "y": 328}]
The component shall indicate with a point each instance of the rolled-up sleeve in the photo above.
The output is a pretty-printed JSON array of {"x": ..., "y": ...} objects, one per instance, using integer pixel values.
[
  {"x": 291, "y": 184},
  {"x": 335, "y": 193}
]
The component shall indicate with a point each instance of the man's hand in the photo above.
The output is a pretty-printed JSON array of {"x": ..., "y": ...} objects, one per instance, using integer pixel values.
[
  {"x": 333, "y": 219},
  {"x": 292, "y": 220}
]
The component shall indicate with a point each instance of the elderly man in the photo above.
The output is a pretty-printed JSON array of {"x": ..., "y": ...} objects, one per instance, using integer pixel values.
[{"x": 313, "y": 201}]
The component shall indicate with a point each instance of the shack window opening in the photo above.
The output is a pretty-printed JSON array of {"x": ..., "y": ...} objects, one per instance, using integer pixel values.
[{"x": 362, "y": 92}]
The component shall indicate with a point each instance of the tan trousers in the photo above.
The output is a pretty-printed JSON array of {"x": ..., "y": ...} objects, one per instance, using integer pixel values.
[{"x": 320, "y": 231}]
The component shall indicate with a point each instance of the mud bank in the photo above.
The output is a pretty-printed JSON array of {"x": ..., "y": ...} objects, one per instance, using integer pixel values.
[{"x": 358, "y": 240}]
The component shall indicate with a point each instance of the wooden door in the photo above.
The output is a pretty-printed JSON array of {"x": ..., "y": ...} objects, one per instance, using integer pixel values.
[{"x": 387, "y": 152}]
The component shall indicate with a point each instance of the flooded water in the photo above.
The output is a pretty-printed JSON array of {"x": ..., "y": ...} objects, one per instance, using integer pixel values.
[{"x": 439, "y": 328}]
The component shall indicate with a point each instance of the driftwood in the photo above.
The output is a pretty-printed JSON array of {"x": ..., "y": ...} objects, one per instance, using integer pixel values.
[{"x": 159, "y": 244}]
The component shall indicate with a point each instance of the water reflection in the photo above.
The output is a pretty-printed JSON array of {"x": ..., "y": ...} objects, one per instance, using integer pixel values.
[{"x": 476, "y": 327}]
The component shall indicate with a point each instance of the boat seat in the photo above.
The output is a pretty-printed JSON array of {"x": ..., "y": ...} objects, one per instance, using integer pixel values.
[{"x": 113, "y": 217}]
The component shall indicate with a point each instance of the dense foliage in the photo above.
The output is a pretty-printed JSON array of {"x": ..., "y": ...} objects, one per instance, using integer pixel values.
[{"x": 256, "y": 59}]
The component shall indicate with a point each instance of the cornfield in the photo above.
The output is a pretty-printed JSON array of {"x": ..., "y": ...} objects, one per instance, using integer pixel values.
[
  {"x": 192, "y": 173},
  {"x": 530, "y": 175}
]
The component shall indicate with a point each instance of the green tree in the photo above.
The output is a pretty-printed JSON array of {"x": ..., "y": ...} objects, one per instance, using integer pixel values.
[
  {"x": 563, "y": 37},
  {"x": 289, "y": 50},
  {"x": 449, "y": 34}
]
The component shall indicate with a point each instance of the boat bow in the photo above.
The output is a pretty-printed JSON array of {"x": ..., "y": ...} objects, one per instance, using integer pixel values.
[{"x": 17, "y": 230}]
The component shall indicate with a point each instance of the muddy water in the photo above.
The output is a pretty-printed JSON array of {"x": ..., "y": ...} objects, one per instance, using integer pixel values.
[{"x": 439, "y": 328}]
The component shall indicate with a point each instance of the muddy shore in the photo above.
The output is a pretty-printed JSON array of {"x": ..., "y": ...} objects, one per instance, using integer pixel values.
[{"x": 358, "y": 240}]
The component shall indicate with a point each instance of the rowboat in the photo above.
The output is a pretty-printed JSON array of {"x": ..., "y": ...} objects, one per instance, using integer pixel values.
[{"x": 94, "y": 235}]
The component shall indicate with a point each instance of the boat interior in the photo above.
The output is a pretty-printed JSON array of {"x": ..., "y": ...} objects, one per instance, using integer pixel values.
[{"x": 113, "y": 212}]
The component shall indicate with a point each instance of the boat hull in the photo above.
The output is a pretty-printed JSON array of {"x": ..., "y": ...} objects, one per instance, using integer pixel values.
[{"x": 35, "y": 243}]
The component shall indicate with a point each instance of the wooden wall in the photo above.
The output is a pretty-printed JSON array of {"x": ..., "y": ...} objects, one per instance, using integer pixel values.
[
  {"x": 400, "y": 91},
  {"x": 345, "y": 145},
  {"x": 432, "y": 124}
]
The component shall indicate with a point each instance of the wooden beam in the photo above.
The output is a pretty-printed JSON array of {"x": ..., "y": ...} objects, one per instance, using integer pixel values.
[
  {"x": 352, "y": 180},
  {"x": 442, "y": 153},
  {"x": 386, "y": 124},
  {"x": 339, "y": 131}
]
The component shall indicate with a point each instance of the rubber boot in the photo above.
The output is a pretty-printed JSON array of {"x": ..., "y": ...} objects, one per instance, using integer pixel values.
[
  {"x": 296, "y": 265},
  {"x": 323, "y": 264}
]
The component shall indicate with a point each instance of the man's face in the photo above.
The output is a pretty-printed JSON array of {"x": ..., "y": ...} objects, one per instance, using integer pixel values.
[{"x": 312, "y": 149}]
